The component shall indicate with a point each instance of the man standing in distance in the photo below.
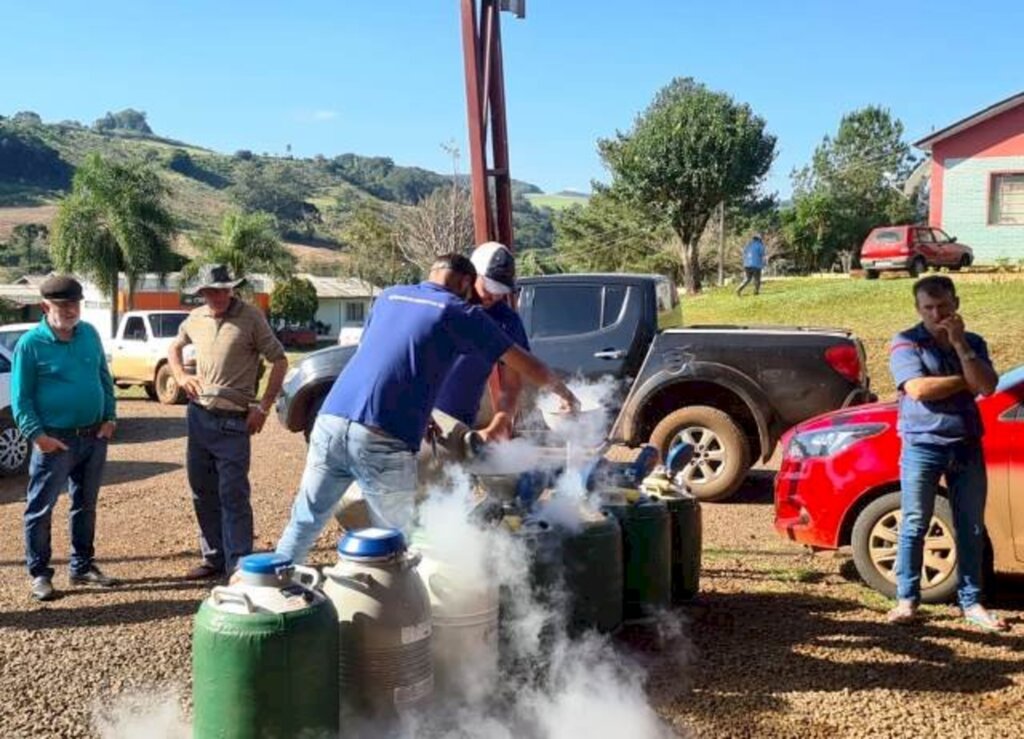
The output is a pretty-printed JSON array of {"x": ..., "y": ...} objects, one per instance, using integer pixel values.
[
  {"x": 229, "y": 336},
  {"x": 63, "y": 400}
]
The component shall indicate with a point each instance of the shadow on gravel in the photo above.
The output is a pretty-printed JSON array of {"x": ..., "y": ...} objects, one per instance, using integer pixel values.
[
  {"x": 12, "y": 489},
  {"x": 756, "y": 489},
  {"x": 136, "y": 430},
  {"x": 1003, "y": 591},
  {"x": 64, "y": 614},
  {"x": 756, "y": 647},
  {"x": 119, "y": 471}
]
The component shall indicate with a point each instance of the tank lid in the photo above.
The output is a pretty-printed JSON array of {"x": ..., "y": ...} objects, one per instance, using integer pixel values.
[
  {"x": 372, "y": 542},
  {"x": 267, "y": 563}
]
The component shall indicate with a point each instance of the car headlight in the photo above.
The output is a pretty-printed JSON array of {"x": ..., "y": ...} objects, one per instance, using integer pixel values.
[{"x": 828, "y": 442}]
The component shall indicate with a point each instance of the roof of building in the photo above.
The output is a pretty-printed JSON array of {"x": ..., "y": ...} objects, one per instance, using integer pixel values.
[
  {"x": 20, "y": 294},
  {"x": 970, "y": 121},
  {"x": 341, "y": 287}
]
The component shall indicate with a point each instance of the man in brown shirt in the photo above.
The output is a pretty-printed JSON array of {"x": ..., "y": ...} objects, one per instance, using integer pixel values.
[{"x": 229, "y": 336}]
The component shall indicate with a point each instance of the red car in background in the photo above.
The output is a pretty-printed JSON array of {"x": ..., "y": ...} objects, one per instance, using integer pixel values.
[
  {"x": 839, "y": 484},
  {"x": 912, "y": 249}
]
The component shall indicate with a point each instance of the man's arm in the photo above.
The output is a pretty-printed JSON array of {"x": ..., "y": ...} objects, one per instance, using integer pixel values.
[
  {"x": 189, "y": 383},
  {"x": 109, "y": 400},
  {"x": 934, "y": 388},
  {"x": 270, "y": 348},
  {"x": 978, "y": 373},
  {"x": 23, "y": 404},
  {"x": 537, "y": 373}
]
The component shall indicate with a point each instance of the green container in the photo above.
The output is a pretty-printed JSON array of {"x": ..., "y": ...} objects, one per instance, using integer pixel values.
[
  {"x": 684, "y": 513},
  {"x": 265, "y": 675},
  {"x": 592, "y": 564},
  {"x": 647, "y": 556}
]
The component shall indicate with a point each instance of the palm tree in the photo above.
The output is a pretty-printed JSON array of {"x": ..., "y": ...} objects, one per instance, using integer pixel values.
[
  {"x": 114, "y": 220},
  {"x": 247, "y": 243}
]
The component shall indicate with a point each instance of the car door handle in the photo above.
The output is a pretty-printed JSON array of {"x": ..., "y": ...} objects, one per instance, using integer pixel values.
[{"x": 610, "y": 354}]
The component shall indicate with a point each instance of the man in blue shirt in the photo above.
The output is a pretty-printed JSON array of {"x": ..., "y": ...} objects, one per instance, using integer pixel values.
[
  {"x": 753, "y": 263},
  {"x": 463, "y": 389},
  {"x": 63, "y": 401},
  {"x": 939, "y": 369},
  {"x": 376, "y": 413}
]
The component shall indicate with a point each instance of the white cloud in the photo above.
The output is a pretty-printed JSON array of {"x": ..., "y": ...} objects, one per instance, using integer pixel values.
[{"x": 324, "y": 115}]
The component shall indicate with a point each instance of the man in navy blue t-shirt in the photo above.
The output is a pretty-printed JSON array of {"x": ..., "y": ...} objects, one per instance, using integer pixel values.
[
  {"x": 462, "y": 391},
  {"x": 376, "y": 413},
  {"x": 939, "y": 369}
]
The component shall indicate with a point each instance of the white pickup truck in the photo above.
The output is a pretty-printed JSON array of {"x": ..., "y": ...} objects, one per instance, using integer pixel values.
[
  {"x": 137, "y": 354},
  {"x": 14, "y": 448}
]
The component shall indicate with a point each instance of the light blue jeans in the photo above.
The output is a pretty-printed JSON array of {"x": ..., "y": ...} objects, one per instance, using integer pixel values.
[
  {"x": 340, "y": 452},
  {"x": 921, "y": 467}
]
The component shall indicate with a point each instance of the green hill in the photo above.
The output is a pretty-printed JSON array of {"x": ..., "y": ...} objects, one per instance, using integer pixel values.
[{"x": 557, "y": 201}]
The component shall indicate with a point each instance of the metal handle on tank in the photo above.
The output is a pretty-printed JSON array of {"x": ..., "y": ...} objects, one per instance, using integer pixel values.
[
  {"x": 315, "y": 578},
  {"x": 220, "y": 594},
  {"x": 412, "y": 559}
]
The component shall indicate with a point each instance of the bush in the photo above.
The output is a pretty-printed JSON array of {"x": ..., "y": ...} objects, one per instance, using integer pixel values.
[{"x": 294, "y": 300}]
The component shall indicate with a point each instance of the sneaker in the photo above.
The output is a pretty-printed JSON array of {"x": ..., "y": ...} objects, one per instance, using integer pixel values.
[
  {"x": 205, "y": 571},
  {"x": 93, "y": 576},
  {"x": 42, "y": 588}
]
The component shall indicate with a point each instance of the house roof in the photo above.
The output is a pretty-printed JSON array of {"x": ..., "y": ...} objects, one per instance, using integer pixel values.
[
  {"x": 970, "y": 121},
  {"x": 341, "y": 287},
  {"x": 20, "y": 294}
]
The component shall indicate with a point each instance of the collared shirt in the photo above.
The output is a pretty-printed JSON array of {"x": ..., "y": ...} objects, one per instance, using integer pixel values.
[
  {"x": 228, "y": 349},
  {"x": 915, "y": 353},
  {"x": 58, "y": 384},
  {"x": 463, "y": 389},
  {"x": 412, "y": 338},
  {"x": 753, "y": 255}
]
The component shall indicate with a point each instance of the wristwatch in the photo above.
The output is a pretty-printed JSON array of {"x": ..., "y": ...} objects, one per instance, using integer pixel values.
[
  {"x": 258, "y": 407},
  {"x": 969, "y": 356}
]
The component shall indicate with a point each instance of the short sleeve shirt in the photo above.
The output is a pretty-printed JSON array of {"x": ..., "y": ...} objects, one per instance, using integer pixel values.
[
  {"x": 463, "y": 389},
  {"x": 412, "y": 338},
  {"x": 915, "y": 353},
  {"x": 228, "y": 350}
]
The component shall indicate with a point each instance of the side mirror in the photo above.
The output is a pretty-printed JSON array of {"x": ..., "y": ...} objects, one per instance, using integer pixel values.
[{"x": 952, "y": 239}]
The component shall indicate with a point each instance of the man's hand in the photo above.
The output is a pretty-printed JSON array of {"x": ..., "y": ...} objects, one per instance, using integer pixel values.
[
  {"x": 106, "y": 430},
  {"x": 255, "y": 420},
  {"x": 954, "y": 328},
  {"x": 500, "y": 427},
  {"x": 569, "y": 403},
  {"x": 191, "y": 384},
  {"x": 49, "y": 445}
]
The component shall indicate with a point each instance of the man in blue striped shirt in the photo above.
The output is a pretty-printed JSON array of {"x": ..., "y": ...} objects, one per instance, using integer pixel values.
[{"x": 63, "y": 400}]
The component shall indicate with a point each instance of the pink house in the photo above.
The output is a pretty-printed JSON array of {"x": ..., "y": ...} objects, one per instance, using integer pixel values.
[{"x": 977, "y": 180}]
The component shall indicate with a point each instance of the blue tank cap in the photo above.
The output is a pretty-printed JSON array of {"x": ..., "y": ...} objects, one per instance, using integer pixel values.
[
  {"x": 265, "y": 563},
  {"x": 372, "y": 542}
]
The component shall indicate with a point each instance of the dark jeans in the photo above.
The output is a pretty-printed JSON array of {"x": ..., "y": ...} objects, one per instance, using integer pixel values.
[
  {"x": 80, "y": 468},
  {"x": 219, "y": 449},
  {"x": 921, "y": 467},
  {"x": 752, "y": 274}
]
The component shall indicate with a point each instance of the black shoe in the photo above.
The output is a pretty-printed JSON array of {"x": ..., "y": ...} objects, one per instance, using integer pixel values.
[
  {"x": 205, "y": 571},
  {"x": 42, "y": 588},
  {"x": 93, "y": 576}
]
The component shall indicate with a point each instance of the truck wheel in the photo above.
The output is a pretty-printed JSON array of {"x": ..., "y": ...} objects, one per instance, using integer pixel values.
[
  {"x": 917, "y": 266},
  {"x": 150, "y": 389},
  {"x": 167, "y": 390},
  {"x": 14, "y": 449},
  {"x": 313, "y": 412},
  {"x": 874, "y": 542},
  {"x": 721, "y": 451},
  {"x": 871, "y": 274}
]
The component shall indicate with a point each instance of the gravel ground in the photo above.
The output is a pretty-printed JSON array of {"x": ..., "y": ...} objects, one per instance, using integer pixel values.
[{"x": 785, "y": 644}]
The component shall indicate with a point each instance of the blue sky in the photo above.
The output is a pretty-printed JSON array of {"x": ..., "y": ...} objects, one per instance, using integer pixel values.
[{"x": 385, "y": 78}]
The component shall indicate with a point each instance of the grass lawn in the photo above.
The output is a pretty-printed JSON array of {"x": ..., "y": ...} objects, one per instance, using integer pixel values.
[
  {"x": 555, "y": 202},
  {"x": 991, "y": 305}
]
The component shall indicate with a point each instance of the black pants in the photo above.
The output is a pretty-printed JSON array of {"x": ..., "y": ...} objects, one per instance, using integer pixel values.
[{"x": 753, "y": 274}]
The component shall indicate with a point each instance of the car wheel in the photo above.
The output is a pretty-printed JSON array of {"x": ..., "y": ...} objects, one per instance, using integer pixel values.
[
  {"x": 15, "y": 451},
  {"x": 150, "y": 389},
  {"x": 965, "y": 261},
  {"x": 167, "y": 390},
  {"x": 875, "y": 539},
  {"x": 917, "y": 266},
  {"x": 721, "y": 455},
  {"x": 871, "y": 274},
  {"x": 313, "y": 412}
]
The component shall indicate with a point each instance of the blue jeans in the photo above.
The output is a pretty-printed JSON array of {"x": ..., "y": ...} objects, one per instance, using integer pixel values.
[
  {"x": 921, "y": 467},
  {"x": 219, "y": 450},
  {"x": 80, "y": 468},
  {"x": 340, "y": 452}
]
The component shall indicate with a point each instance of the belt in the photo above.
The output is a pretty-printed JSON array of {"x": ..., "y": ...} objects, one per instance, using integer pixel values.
[
  {"x": 80, "y": 431},
  {"x": 220, "y": 413}
]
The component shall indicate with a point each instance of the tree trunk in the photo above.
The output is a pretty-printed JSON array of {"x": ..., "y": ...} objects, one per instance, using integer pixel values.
[
  {"x": 113, "y": 305},
  {"x": 691, "y": 269}
]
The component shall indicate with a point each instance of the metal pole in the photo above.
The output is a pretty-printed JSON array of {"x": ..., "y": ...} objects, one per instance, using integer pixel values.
[{"x": 475, "y": 116}]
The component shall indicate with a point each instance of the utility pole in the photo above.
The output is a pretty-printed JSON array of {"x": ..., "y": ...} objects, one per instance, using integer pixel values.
[{"x": 721, "y": 243}]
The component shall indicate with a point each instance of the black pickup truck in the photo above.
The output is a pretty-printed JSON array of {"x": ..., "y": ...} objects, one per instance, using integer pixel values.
[{"x": 731, "y": 391}]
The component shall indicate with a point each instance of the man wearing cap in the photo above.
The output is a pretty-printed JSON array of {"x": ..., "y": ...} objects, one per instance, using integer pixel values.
[
  {"x": 376, "y": 413},
  {"x": 229, "y": 337},
  {"x": 463, "y": 389},
  {"x": 63, "y": 400}
]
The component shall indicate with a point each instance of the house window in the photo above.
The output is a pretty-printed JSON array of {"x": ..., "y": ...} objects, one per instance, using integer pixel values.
[
  {"x": 355, "y": 312},
  {"x": 1006, "y": 199}
]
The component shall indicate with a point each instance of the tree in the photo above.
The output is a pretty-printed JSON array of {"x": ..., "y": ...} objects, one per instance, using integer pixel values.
[
  {"x": 294, "y": 300},
  {"x": 115, "y": 220},
  {"x": 440, "y": 224},
  {"x": 28, "y": 246},
  {"x": 850, "y": 186},
  {"x": 374, "y": 254},
  {"x": 27, "y": 117},
  {"x": 271, "y": 187},
  {"x": 247, "y": 243},
  {"x": 128, "y": 119},
  {"x": 690, "y": 150}
]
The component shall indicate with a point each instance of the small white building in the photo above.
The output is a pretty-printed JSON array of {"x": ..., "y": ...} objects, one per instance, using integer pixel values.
[{"x": 344, "y": 304}]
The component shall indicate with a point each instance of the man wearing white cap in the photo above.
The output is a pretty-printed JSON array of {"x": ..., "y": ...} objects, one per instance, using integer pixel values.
[{"x": 463, "y": 389}]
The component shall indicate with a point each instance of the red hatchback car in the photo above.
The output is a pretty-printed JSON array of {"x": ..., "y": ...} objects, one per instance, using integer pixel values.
[
  {"x": 839, "y": 484},
  {"x": 912, "y": 249}
]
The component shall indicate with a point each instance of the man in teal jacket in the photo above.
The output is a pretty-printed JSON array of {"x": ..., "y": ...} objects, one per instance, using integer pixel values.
[{"x": 63, "y": 400}]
